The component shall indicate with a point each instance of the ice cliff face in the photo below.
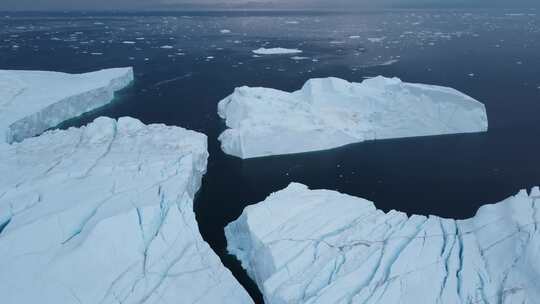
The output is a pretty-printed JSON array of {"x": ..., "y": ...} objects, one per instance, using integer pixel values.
[
  {"x": 34, "y": 101},
  {"x": 103, "y": 214},
  {"x": 328, "y": 113},
  {"x": 319, "y": 246}
]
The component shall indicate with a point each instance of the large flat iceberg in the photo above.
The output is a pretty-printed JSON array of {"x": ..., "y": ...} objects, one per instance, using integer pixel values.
[
  {"x": 103, "y": 214},
  {"x": 320, "y": 246},
  {"x": 276, "y": 51},
  {"x": 331, "y": 112},
  {"x": 34, "y": 101}
]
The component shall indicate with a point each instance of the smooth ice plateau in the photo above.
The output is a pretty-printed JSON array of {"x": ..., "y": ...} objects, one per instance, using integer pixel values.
[
  {"x": 320, "y": 246},
  {"x": 330, "y": 112},
  {"x": 104, "y": 214},
  {"x": 34, "y": 101}
]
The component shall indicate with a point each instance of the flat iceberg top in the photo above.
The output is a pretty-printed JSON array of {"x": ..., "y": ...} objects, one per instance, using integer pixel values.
[
  {"x": 104, "y": 214},
  {"x": 34, "y": 101},
  {"x": 276, "y": 51},
  {"x": 330, "y": 112},
  {"x": 320, "y": 246}
]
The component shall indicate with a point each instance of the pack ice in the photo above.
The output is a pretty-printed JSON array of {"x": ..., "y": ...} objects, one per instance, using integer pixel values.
[
  {"x": 320, "y": 246},
  {"x": 331, "y": 112},
  {"x": 34, "y": 101},
  {"x": 103, "y": 214}
]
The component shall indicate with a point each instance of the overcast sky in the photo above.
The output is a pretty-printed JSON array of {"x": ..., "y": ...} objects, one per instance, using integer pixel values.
[{"x": 162, "y": 4}]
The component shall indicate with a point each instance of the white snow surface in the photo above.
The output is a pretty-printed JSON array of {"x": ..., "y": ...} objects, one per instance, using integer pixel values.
[
  {"x": 331, "y": 112},
  {"x": 34, "y": 101},
  {"x": 276, "y": 51},
  {"x": 104, "y": 214},
  {"x": 320, "y": 246}
]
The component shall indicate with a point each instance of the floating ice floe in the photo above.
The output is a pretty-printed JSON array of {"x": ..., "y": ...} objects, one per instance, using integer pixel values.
[
  {"x": 104, "y": 214},
  {"x": 300, "y": 58},
  {"x": 34, "y": 101},
  {"x": 331, "y": 112},
  {"x": 389, "y": 62},
  {"x": 376, "y": 39},
  {"x": 276, "y": 51},
  {"x": 320, "y": 246}
]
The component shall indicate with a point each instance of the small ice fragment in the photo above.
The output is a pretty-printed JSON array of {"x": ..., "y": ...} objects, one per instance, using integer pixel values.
[{"x": 376, "y": 39}]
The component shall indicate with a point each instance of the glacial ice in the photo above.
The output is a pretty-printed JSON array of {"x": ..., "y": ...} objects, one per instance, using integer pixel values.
[
  {"x": 331, "y": 112},
  {"x": 104, "y": 214},
  {"x": 34, "y": 101},
  {"x": 276, "y": 51},
  {"x": 320, "y": 246}
]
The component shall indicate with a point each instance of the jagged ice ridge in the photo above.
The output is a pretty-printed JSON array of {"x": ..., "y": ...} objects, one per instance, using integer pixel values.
[
  {"x": 320, "y": 246},
  {"x": 104, "y": 214}
]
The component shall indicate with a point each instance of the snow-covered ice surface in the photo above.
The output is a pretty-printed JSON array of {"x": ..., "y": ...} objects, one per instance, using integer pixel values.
[
  {"x": 331, "y": 112},
  {"x": 34, "y": 101},
  {"x": 104, "y": 214},
  {"x": 276, "y": 51},
  {"x": 320, "y": 246}
]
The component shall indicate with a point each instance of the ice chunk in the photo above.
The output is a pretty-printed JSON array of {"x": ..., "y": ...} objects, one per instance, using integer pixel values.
[
  {"x": 376, "y": 39},
  {"x": 34, "y": 101},
  {"x": 103, "y": 214},
  {"x": 331, "y": 112},
  {"x": 320, "y": 246},
  {"x": 276, "y": 51}
]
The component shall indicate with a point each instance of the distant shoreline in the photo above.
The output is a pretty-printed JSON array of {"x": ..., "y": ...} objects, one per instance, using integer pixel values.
[{"x": 242, "y": 11}]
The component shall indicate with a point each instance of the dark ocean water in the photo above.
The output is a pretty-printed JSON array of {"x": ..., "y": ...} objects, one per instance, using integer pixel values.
[{"x": 491, "y": 55}]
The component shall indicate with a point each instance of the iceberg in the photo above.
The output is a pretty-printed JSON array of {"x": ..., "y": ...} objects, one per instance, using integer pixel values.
[
  {"x": 320, "y": 246},
  {"x": 330, "y": 112},
  {"x": 34, "y": 101},
  {"x": 276, "y": 51},
  {"x": 104, "y": 214}
]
